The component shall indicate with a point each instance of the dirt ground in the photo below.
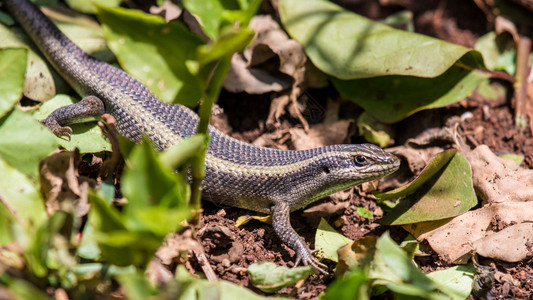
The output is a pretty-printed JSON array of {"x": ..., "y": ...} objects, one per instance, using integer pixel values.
[{"x": 232, "y": 249}]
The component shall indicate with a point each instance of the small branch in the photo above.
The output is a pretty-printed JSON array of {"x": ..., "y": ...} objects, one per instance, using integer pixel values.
[{"x": 522, "y": 71}]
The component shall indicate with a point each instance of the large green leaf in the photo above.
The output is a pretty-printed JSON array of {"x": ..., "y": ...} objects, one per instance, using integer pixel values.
[
  {"x": 444, "y": 189},
  {"x": 24, "y": 142},
  {"x": 154, "y": 52},
  {"x": 12, "y": 69},
  {"x": 349, "y": 46},
  {"x": 391, "y": 73},
  {"x": 87, "y": 137},
  {"x": 392, "y": 98}
]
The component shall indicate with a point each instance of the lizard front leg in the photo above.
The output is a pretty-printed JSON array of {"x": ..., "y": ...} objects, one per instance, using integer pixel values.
[
  {"x": 88, "y": 107},
  {"x": 282, "y": 226}
]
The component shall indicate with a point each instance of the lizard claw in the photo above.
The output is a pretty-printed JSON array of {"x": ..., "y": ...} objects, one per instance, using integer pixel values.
[
  {"x": 57, "y": 129},
  {"x": 304, "y": 255}
]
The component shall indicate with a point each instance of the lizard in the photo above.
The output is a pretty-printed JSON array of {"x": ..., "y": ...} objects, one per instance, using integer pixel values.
[{"x": 237, "y": 174}]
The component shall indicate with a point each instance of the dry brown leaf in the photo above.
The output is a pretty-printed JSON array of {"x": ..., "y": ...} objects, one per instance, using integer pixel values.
[
  {"x": 272, "y": 63},
  {"x": 60, "y": 181},
  {"x": 320, "y": 135},
  {"x": 175, "y": 244},
  {"x": 274, "y": 139},
  {"x": 168, "y": 10},
  {"x": 158, "y": 274},
  {"x": 512, "y": 244},
  {"x": 499, "y": 180},
  {"x": 324, "y": 210},
  {"x": 242, "y": 78},
  {"x": 455, "y": 239}
]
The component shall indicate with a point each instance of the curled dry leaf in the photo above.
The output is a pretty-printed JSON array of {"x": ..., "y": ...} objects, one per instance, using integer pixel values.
[
  {"x": 455, "y": 239},
  {"x": 320, "y": 135},
  {"x": 272, "y": 63},
  {"x": 497, "y": 179},
  {"x": 60, "y": 181},
  {"x": 256, "y": 71},
  {"x": 507, "y": 191}
]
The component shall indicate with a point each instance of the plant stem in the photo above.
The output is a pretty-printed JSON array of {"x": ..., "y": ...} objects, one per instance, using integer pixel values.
[{"x": 210, "y": 96}]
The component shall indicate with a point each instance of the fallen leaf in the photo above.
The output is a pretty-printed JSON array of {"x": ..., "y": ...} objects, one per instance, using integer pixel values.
[
  {"x": 270, "y": 64},
  {"x": 444, "y": 189},
  {"x": 497, "y": 179},
  {"x": 328, "y": 241},
  {"x": 320, "y": 135},
  {"x": 269, "y": 278},
  {"x": 454, "y": 239},
  {"x": 512, "y": 244}
]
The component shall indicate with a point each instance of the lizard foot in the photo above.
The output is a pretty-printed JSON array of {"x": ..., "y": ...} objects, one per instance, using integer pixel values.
[
  {"x": 305, "y": 256},
  {"x": 57, "y": 129}
]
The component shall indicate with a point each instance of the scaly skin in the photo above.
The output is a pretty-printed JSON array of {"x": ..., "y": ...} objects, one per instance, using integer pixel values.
[{"x": 237, "y": 174}]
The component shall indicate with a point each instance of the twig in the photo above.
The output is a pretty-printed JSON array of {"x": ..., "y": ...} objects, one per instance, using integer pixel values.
[
  {"x": 206, "y": 267},
  {"x": 522, "y": 71}
]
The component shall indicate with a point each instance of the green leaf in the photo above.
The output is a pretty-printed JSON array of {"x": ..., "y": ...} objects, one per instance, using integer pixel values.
[
  {"x": 148, "y": 182},
  {"x": 6, "y": 19},
  {"x": 389, "y": 72},
  {"x": 12, "y": 69},
  {"x": 364, "y": 212},
  {"x": 392, "y": 98},
  {"x": 89, "y": 6},
  {"x": 328, "y": 241},
  {"x": 39, "y": 83},
  {"x": 193, "y": 288},
  {"x": 214, "y": 14},
  {"x": 118, "y": 244},
  {"x": 456, "y": 281},
  {"x": 42, "y": 82},
  {"x": 436, "y": 164},
  {"x": 136, "y": 286},
  {"x": 353, "y": 285},
  {"x": 225, "y": 45},
  {"x": 178, "y": 154},
  {"x": 154, "y": 52},
  {"x": 22, "y": 207},
  {"x": 448, "y": 193},
  {"x": 23, "y": 289},
  {"x": 24, "y": 142},
  {"x": 269, "y": 278},
  {"x": 374, "y": 131},
  {"x": 517, "y": 158},
  {"x": 348, "y": 46},
  {"x": 393, "y": 268},
  {"x": 44, "y": 252},
  {"x": 493, "y": 46},
  {"x": 87, "y": 137}
]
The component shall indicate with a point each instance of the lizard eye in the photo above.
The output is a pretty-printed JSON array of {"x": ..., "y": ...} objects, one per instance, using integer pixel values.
[{"x": 360, "y": 160}]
